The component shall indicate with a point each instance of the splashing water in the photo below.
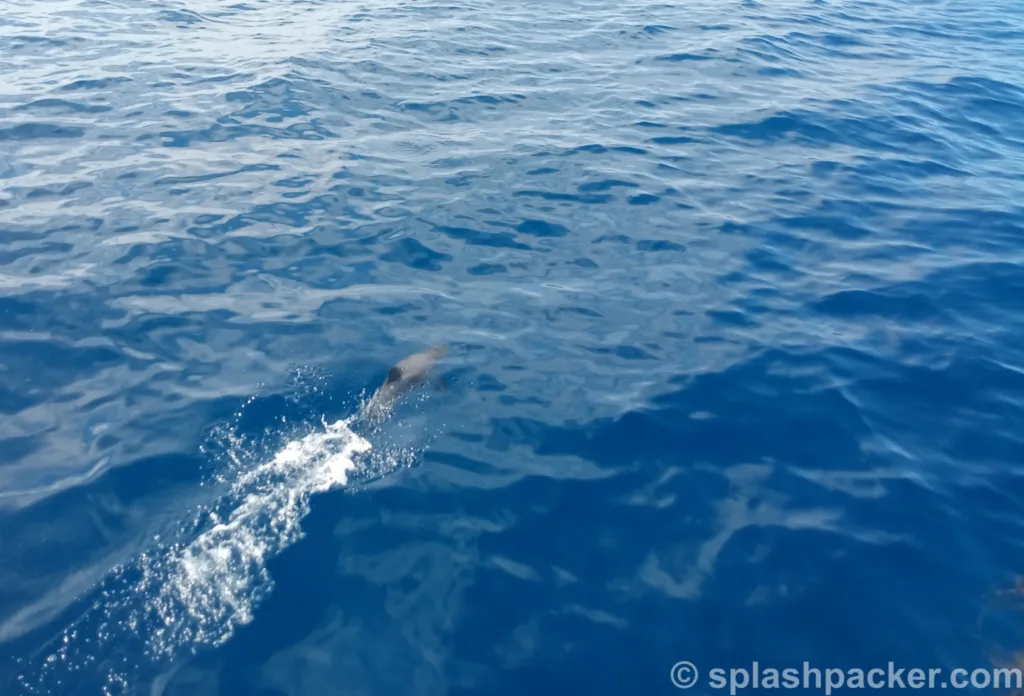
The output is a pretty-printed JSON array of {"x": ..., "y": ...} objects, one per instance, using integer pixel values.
[
  {"x": 204, "y": 589},
  {"x": 195, "y": 592}
]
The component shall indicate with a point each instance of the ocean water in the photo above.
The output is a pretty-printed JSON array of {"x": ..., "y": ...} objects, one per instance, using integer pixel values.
[{"x": 735, "y": 299}]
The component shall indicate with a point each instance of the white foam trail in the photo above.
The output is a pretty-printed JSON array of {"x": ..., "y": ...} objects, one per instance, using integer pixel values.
[
  {"x": 197, "y": 591},
  {"x": 204, "y": 589}
]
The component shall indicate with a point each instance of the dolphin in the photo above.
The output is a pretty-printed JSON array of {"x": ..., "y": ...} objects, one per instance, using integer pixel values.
[{"x": 406, "y": 375}]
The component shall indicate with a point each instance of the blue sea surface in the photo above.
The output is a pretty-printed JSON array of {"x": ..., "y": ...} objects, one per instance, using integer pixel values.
[{"x": 734, "y": 297}]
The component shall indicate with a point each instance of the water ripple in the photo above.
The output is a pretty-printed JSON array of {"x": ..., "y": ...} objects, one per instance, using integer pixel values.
[{"x": 737, "y": 290}]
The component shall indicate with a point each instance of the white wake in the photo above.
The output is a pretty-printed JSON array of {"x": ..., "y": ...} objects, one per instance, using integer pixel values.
[
  {"x": 203, "y": 589},
  {"x": 195, "y": 591}
]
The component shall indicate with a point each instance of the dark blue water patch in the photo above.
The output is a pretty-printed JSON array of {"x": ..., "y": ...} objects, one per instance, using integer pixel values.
[
  {"x": 989, "y": 106},
  {"x": 777, "y": 127},
  {"x": 901, "y": 302},
  {"x": 624, "y": 352},
  {"x": 58, "y": 313},
  {"x": 22, "y": 40},
  {"x": 51, "y": 191},
  {"x": 14, "y": 400},
  {"x": 181, "y": 18},
  {"x": 487, "y": 382},
  {"x": 415, "y": 254},
  {"x": 58, "y": 105},
  {"x": 606, "y": 185},
  {"x": 942, "y": 397},
  {"x": 836, "y": 45},
  {"x": 483, "y": 238},
  {"x": 617, "y": 238},
  {"x": 779, "y": 72},
  {"x": 731, "y": 318},
  {"x": 302, "y": 182},
  {"x": 34, "y": 131},
  {"x": 592, "y": 199},
  {"x": 655, "y": 245},
  {"x": 770, "y": 48},
  {"x": 167, "y": 274},
  {"x": 994, "y": 291},
  {"x": 985, "y": 86},
  {"x": 673, "y": 140},
  {"x": 64, "y": 360},
  {"x": 908, "y": 169},
  {"x": 927, "y": 228},
  {"x": 441, "y": 111},
  {"x": 542, "y": 228},
  {"x": 278, "y": 97},
  {"x": 461, "y": 181},
  {"x": 117, "y": 490},
  {"x": 638, "y": 436},
  {"x": 824, "y": 130},
  {"x": 486, "y": 269},
  {"x": 491, "y": 100},
  {"x": 392, "y": 310},
  {"x": 679, "y": 57},
  {"x": 598, "y": 149}
]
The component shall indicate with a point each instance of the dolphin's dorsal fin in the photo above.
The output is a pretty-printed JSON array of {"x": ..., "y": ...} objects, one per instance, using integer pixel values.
[{"x": 394, "y": 374}]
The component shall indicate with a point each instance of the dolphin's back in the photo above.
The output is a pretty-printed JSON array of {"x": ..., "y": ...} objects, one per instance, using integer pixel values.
[
  {"x": 405, "y": 375},
  {"x": 417, "y": 364}
]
